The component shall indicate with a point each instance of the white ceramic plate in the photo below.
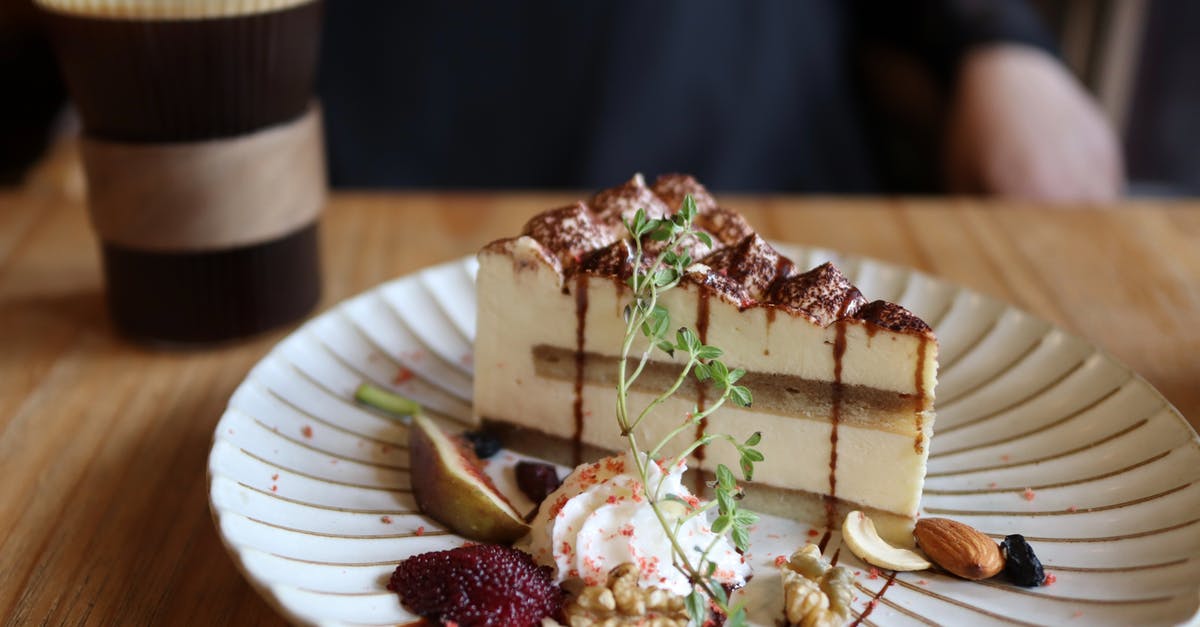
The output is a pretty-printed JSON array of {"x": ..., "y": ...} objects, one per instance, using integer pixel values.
[{"x": 1038, "y": 432}]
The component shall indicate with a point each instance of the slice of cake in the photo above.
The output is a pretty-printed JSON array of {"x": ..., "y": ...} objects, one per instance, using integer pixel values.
[{"x": 843, "y": 387}]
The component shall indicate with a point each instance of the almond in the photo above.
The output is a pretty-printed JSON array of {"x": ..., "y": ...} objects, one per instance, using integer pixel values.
[{"x": 959, "y": 548}]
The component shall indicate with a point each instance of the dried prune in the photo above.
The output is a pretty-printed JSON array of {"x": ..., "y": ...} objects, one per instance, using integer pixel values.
[
  {"x": 1021, "y": 566},
  {"x": 537, "y": 480}
]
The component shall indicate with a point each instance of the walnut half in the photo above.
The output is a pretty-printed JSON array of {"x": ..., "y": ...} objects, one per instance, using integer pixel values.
[
  {"x": 814, "y": 593},
  {"x": 621, "y": 601}
]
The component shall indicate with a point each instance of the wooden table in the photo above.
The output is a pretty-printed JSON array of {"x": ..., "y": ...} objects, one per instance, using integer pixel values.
[{"x": 103, "y": 511}]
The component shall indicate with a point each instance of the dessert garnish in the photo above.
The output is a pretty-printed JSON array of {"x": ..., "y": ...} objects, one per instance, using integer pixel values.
[
  {"x": 959, "y": 548},
  {"x": 1021, "y": 566},
  {"x": 858, "y": 530},
  {"x": 478, "y": 584},
  {"x": 815, "y": 594},
  {"x": 537, "y": 479},
  {"x": 454, "y": 489},
  {"x": 622, "y": 601},
  {"x": 602, "y": 517},
  {"x": 374, "y": 396},
  {"x": 674, "y": 236}
]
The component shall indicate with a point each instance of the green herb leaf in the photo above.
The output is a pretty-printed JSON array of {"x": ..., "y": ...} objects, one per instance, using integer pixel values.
[
  {"x": 741, "y": 396},
  {"x": 721, "y": 523},
  {"x": 725, "y": 502},
  {"x": 747, "y": 468},
  {"x": 707, "y": 352},
  {"x": 725, "y": 478},
  {"x": 719, "y": 372},
  {"x": 705, "y": 239},
  {"x": 665, "y": 277},
  {"x": 702, "y": 372},
  {"x": 737, "y": 618},
  {"x": 697, "y": 607},
  {"x": 661, "y": 231},
  {"x": 686, "y": 340},
  {"x": 721, "y": 597},
  {"x": 744, "y": 518},
  {"x": 688, "y": 210},
  {"x": 741, "y": 538},
  {"x": 754, "y": 439}
]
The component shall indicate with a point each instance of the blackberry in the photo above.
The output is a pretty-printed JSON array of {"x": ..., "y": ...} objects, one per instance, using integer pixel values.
[
  {"x": 537, "y": 480},
  {"x": 478, "y": 584},
  {"x": 484, "y": 443},
  {"x": 1021, "y": 566}
]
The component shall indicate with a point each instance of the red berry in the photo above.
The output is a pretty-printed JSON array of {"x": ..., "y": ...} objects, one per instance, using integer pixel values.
[{"x": 478, "y": 584}]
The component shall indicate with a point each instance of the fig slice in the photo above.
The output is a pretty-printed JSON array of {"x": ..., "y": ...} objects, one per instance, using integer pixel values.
[{"x": 450, "y": 486}]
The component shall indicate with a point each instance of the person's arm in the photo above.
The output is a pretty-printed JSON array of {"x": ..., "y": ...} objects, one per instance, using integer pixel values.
[
  {"x": 1020, "y": 125},
  {"x": 1017, "y": 122}
]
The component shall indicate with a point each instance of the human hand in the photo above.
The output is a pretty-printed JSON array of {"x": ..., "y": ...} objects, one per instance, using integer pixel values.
[{"x": 1021, "y": 126}]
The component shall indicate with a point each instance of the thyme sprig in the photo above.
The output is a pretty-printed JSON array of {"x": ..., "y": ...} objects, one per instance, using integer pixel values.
[{"x": 653, "y": 274}]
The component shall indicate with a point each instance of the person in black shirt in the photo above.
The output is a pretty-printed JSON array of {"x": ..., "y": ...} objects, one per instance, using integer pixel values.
[{"x": 748, "y": 95}]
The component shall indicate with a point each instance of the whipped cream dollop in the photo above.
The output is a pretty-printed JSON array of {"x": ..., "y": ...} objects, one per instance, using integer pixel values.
[{"x": 600, "y": 518}]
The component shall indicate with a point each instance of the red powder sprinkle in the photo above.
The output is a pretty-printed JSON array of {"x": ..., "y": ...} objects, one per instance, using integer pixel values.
[
  {"x": 559, "y": 503},
  {"x": 403, "y": 375},
  {"x": 873, "y": 573},
  {"x": 774, "y": 536},
  {"x": 992, "y": 484},
  {"x": 387, "y": 520},
  {"x": 421, "y": 530},
  {"x": 780, "y": 560},
  {"x": 230, "y": 431},
  {"x": 627, "y": 531},
  {"x": 1050, "y": 579},
  {"x": 306, "y": 431},
  {"x": 566, "y": 547},
  {"x": 873, "y": 603},
  {"x": 812, "y": 533},
  {"x": 274, "y": 488},
  {"x": 922, "y": 582},
  {"x": 1028, "y": 494},
  {"x": 1072, "y": 508},
  {"x": 1077, "y": 614},
  {"x": 467, "y": 359},
  {"x": 1004, "y": 458},
  {"x": 275, "y": 477}
]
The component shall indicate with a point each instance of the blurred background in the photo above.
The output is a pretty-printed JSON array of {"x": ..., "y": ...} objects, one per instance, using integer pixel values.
[{"x": 846, "y": 97}]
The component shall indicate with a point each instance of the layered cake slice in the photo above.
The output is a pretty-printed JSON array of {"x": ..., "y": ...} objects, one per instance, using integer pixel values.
[{"x": 843, "y": 387}]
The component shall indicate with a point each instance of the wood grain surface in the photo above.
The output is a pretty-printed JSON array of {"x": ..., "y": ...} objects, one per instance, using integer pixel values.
[{"x": 103, "y": 512}]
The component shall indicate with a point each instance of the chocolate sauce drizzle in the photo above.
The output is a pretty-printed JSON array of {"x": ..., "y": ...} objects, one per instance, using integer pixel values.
[
  {"x": 919, "y": 399},
  {"x": 835, "y": 417},
  {"x": 581, "y": 307},
  {"x": 874, "y": 600}
]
